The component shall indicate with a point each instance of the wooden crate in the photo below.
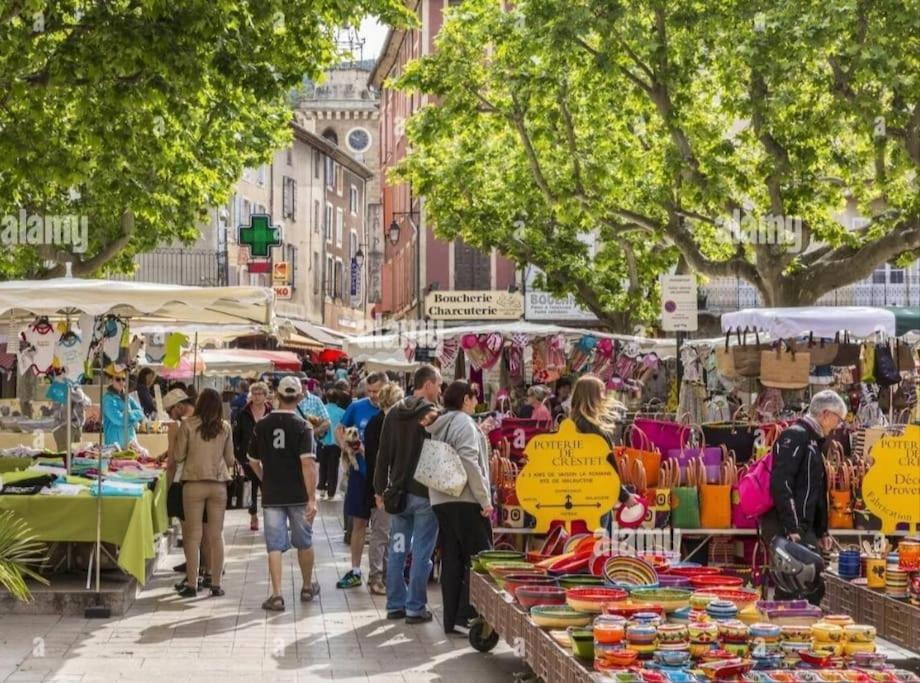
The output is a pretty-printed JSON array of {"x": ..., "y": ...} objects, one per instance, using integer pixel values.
[
  {"x": 915, "y": 629},
  {"x": 848, "y": 599},
  {"x": 897, "y": 623},
  {"x": 534, "y": 642}
]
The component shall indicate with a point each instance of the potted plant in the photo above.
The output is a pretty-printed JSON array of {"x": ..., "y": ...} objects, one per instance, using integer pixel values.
[{"x": 18, "y": 550}]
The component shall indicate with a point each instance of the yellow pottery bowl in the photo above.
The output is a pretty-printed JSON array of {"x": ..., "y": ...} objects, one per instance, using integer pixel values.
[{"x": 823, "y": 632}]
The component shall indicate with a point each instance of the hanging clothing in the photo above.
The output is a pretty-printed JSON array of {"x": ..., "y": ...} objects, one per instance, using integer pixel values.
[
  {"x": 37, "y": 348},
  {"x": 174, "y": 343},
  {"x": 155, "y": 347},
  {"x": 70, "y": 355}
]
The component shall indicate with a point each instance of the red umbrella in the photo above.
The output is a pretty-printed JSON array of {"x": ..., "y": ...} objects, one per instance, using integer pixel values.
[{"x": 331, "y": 356}]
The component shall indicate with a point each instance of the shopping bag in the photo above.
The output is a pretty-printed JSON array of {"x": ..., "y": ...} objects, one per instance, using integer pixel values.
[
  {"x": 847, "y": 351},
  {"x": 518, "y": 432},
  {"x": 735, "y": 436},
  {"x": 685, "y": 508},
  {"x": 715, "y": 506},
  {"x": 867, "y": 364},
  {"x": 740, "y": 520},
  {"x": 647, "y": 454},
  {"x": 725, "y": 360},
  {"x": 784, "y": 368},
  {"x": 662, "y": 434},
  {"x": 840, "y": 515},
  {"x": 658, "y": 515},
  {"x": 746, "y": 357},
  {"x": 886, "y": 369},
  {"x": 822, "y": 352}
]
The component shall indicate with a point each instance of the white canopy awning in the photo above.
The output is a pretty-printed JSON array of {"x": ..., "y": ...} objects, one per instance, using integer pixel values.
[
  {"x": 166, "y": 303},
  {"x": 821, "y": 321},
  {"x": 222, "y": 363},
  {"x": 323, "y": 335}
]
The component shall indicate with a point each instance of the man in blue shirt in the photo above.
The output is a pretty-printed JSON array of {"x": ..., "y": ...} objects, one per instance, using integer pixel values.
[
  {"x": 358, "y": 414},
  {"x": 313, "y": 406},
  {"x": 329, "y": 455}
]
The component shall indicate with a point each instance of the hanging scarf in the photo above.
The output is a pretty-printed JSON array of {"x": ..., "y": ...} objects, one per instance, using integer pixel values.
[
  {"x": 491, "y": 347},
  {"x": 516, "y": 355}
]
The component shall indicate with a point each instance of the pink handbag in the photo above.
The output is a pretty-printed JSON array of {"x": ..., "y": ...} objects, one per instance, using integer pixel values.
[
  {"x": 662, "y": 434},
  {"x": 754, "y": 495}
]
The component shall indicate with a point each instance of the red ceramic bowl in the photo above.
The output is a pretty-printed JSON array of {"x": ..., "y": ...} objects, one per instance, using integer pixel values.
[
  {"x": 690, "y": 572},
  {"x": 515, "y": 581},
  {"x": 628, "y": 609},
  {"x": 621, "y": 657},
  {"x": 596, "y": 565},
  {"x": 818, "y": 659},
  {"x": 536, "y": 557},
  {"x": 530, "y": 595},
  {"x": 716, "y": 581},
  {"x": 588, "y": 599}
]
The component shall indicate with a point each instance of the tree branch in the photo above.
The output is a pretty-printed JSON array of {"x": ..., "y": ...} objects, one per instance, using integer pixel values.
[
  {"x": 642, "y": 85},
  {"x": 110, "y": 251},
  {"x": 517, "y": 118},
  {"x": 570, "y": 138}
]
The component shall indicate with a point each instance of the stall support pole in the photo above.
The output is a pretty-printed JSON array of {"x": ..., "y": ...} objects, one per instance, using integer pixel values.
[
  {"x": 195, "y": 364},
  {"x": 68, "y": 408},
  {"x": 99, "y": 611},
  {"x": 681, "y": 337}
]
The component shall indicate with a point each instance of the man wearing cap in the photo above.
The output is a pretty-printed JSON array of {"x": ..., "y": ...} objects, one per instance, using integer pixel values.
[{"x": 283, "y": 456}]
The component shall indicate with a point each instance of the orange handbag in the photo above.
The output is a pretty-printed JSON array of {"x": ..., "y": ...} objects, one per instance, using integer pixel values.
[
  {"x": 716, "y": 506},
  {"x": 646, "y": 453}
]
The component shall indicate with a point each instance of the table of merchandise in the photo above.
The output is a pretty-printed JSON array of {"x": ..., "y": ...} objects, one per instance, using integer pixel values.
[
  {"x": 895, "y": 620},
  {"x": 547, "y": 658},
  {"x": 130, "y": 523},
  {"x": 154, "y": 443}
]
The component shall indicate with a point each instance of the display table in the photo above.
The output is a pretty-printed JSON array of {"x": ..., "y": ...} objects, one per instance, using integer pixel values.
[
  {"x": 895, "y": 620},
  {"x": 155, "y": 443},
  {"x": 547, "y": 658}
]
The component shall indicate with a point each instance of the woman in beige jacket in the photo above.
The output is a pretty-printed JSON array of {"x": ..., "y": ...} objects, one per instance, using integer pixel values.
[{"x": 204, "y": 453}]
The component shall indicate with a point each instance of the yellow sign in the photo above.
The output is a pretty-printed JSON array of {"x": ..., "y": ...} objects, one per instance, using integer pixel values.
[
  {"x": 891, "y": 487},
  {"x": 280, "y": 273},
  {"x": 567, "y": 477}
]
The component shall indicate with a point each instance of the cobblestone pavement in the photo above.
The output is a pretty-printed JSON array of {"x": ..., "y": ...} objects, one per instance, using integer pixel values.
[{"x": 342, "y": 636}]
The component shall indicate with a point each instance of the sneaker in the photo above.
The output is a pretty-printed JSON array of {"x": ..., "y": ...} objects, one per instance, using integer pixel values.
[
  {"x": 396, "y": 614},
  {"x": 422, "y": 618},
  {"x": 350, "y": 580},
  {"x": 376, "y": 586}
]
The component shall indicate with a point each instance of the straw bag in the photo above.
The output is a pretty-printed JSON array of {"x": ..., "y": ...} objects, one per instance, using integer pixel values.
[
  {"x": 662, "y": 434},
  {"x": 715, "y": 506},
  {"x": 735, "y": 436},
  {"x": 784, "y": 368},
  {"x": 747, "y": 358},
  {"x": 685, "y": 507},
  {"x": 822, "y": 352},
  {"x": 847, "y": 351},
  {"x": 725, "y": 360},
  {"x": 647, "y": 454},
  {"x": 905, "y": 356}
]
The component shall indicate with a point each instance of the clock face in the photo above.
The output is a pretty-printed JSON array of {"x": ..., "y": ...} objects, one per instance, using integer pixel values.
[{"x": 359, "y": 140}]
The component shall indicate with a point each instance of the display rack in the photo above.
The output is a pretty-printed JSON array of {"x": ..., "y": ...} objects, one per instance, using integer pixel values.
[{"x": 894, "y": 620}]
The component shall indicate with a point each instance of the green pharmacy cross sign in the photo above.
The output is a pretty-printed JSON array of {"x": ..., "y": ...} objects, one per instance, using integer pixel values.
[{"x": 260, "y": 235}]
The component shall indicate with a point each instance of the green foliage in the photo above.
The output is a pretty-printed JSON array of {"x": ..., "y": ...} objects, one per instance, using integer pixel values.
[
  {"x": 18, "y": 550},
  {"x": 149, "y": 110},
  {"x": 650, "y": 124}
]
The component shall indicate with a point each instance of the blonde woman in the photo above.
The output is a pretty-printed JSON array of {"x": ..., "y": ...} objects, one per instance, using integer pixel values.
[
  {"x": 390, "y": 394},
  {"x": 255, "y": 409},
  {"x": 593, "y": 412}
]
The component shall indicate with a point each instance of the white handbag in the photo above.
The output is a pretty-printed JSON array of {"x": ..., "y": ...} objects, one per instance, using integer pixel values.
[{"x": 439, "y": 468}]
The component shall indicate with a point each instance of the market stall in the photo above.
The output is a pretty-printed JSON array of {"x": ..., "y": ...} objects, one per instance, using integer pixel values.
[{"x": 72, "y": 325}]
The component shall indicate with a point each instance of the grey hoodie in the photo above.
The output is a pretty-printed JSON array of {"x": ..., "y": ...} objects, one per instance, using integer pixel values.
[{"x": 460, "y": 431}]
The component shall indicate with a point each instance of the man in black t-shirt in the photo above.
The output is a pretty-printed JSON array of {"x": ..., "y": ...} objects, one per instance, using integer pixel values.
[{"x": 282, "y": 455}]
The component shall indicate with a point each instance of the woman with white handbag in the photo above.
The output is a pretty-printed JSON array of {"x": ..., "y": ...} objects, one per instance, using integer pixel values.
[{"x": 464, "y": 513}]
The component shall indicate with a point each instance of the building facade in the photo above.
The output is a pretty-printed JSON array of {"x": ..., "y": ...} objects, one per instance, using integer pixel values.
[{"x": 416, "y": 262}]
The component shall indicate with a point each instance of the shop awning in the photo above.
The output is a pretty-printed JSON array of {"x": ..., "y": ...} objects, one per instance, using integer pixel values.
[
  {"x": 821, "y": 321},
  {"x": 301, "y": 343},
  {"x": 325, "y": 337},
  {"x": 280, "y": 360},
  {"x": 905, "y": 319},
  {"x": 218, "y": 363}
]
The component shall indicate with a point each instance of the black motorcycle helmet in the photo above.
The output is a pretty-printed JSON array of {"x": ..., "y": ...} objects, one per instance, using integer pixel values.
[{"x": 795, "y": 568}]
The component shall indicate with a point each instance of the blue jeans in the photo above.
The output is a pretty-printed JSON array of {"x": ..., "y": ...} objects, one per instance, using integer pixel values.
[{"x": 415, "y": 528}]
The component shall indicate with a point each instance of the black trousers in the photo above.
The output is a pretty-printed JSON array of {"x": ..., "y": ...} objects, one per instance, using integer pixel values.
[
  {"x": 770, "y": 528},
  {"x": 463, "y": 532},
  {"x": 329, "y": 469},
  {"x": 251, "y": 476}
]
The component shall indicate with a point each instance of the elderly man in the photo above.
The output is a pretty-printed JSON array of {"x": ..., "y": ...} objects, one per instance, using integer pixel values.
[{"x": 798, "y": 482}]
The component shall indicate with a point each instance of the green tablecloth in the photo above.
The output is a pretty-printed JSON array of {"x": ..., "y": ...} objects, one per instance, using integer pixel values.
[
  {"x": 129, "y": 523},
  {"x": 13, "y": 464}
]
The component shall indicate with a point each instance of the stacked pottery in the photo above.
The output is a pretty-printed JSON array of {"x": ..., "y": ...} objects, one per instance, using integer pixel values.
[
  {"x": 795, "y": 639},
  {"x": 848, "y": 564},
  {"x": 609, "y": 640},
  {"x": 673, "y": 637},
  {"x": 698, "y": 604},
  {"x": 909, "y": 556},
  {"x": 827, "y": 638},
  {"x": 703, "y": 636},
  {"x": 896, "y": 582},
  {"x": 733, "y": 637},
  {"x": 643, "y": 639},
  {"x": 766, "y": 637},
  {"x": 858, "y": 638},
  {"x": 719, "y": 610}
]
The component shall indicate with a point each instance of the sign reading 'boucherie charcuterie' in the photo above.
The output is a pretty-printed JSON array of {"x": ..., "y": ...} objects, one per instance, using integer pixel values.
[{"x": 473, "y": 305}]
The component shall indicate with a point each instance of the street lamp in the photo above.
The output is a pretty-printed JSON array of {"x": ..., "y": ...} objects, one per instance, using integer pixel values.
[
  {"x": 393, "y": 232},
  {"x": 394, "y": 229},
  {"x": 359, "y": 258}
]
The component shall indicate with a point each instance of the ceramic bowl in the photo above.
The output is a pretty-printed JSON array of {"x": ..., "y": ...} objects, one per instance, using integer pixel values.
[
  {"x": 736, "y": 649},
  {"x": 641, "y": 634},
  {"x": 769, "y": 632},
  {"x": 859, "y": 633},
  {"x": 826, "y": 633},
  {"x": 670, "y": 599},
  {"x": 715, "y": 581},
  {"x": 681, "y": 616},
  {"x": 726, "y": 670},
  {"x": 499, "y": 569},
  {"x": 673, "y": 581},
  {"x": 817, "y": 659},
  {"x": 742, "y": 597},
  {"x": 609, "y": 630},
  {"x": 629, "y": 609},
  {"x": 582, "y": 641},
  {"x": 481, "y": 560},
  {"x": 630, "y": 570},
  {"x": 835, "y": 649},
  {"x": 673, "y": 633},
  {"x": 701, "y": 600},
  {"x": 841, "y": 620},
  {"x": 703, "y": 632},
  {"x": 697, "y": 650},
  {"x": 622, "y": 658},
  {"x": 558, "y": 616},
  {"x": 796, "y": 634},
  {"x": 672, "y": 657},
  {"x": 687, "y": 570},
  {"x": 593, "y": 599},
  {"x": 530, "y": 595},
  {"x": 734, "y": 630},
  {"x": 575, "y": 580},
  {"x": 851, "y": 648},
  {"x": 647, "y": 618},
  {"x": 514, "y": 581}
]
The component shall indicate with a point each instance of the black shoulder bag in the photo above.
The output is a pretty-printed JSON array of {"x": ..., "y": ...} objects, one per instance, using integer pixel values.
[{"x": 394, "y": 497}]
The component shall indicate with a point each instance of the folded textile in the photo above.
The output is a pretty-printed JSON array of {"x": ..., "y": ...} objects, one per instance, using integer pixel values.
[
  {"x": 118, "y": 488},
  {"x": 29, "y": 485},
  {"x": 59, "y": 489}
]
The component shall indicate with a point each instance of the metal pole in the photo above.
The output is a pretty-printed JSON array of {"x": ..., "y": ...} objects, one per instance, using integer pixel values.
[
  {"x": 99, "y": 479},
  {"x": 195, "y": 363},
  {"x": 69, "y": 408}
]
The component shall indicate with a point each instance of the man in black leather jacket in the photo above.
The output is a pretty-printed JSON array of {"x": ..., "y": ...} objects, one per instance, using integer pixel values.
[{"x": 798, "y": 482}]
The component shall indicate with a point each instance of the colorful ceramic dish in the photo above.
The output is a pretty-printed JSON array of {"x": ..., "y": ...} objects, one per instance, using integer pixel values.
[
  {"x": 575, "y": 580},
  {"x": 669, "y": 599},
  {"x": 859, "y": 633},
  {"x": 593, "y": 599},
  {"x": 841, "y": 620},
  {"x": 641, "y": 634},
  {"x": 851, "y": 648},
  {"x": 582, "y": 641},
  {"x": 630, "y": 570},
  {"x": 558, "y": 616},
  {"x": 715, "y": 581},
  {"x": 673, "y": 633},
  {"x": 499, "y": 569},
  {"x": 529, "y": 595},
  {"x": 620, "y": 658},
  {"x": 703, "y": 632},
  {"x": 733, "y": 631},
  {"x": 826, "y": 633},
  {"x": 818, "y": 659},
  {"x": 629, "y": 609},
  {"x": 796, "y": 633},
  {"x": 514, "y": 581},
  {"x": 742, "y": 597},
  {"x": 609, "y": 630},
  {"x": 486, "y": 556},
  {"x": 672, "y": 657},
  {"x": 689, "y": 571}
]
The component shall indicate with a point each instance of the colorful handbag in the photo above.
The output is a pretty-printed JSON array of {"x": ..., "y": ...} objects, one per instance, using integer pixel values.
[
  {"x": 662, "y": 434},
  {"x": 685, "y": 507},
  {"x": 715, "y": 506},
  {"x": 735, "y": 436},
  {"x": 647, "y": 454},
  {"x": 746, "y": 357}
]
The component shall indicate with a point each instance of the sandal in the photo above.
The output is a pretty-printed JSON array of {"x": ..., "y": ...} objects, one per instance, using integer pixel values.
[
  {"x": 217, "y": 591},
  {"x": 307, "y": 594},
  {"x": 274, "y": 604}
]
